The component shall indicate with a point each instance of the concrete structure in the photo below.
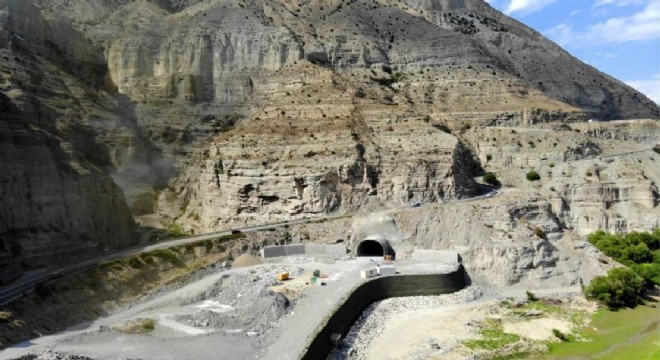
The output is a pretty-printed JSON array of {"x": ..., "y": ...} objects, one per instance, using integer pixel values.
[
  {"x": 375, "y": 246},
  {"x": 374, "y": 290},
  {"x": 446, "y": 257},
  {"x": 387, "y": 270},
  {"x": 334, "y": 250},
  {"x": 368, "y": 273}
]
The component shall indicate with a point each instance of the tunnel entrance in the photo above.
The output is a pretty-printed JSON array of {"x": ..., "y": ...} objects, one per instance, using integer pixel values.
[{"x": 370, "y": 248}]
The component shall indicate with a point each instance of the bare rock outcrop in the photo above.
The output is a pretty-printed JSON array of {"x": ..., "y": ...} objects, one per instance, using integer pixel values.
[
  {"x": 219, "y": 113},
  {"x": 321, "y": 151},
  {"x": 54, "y": 208}
]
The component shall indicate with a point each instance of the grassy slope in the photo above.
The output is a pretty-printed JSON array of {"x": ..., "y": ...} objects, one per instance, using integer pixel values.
[{"x": 623, "y": 334}]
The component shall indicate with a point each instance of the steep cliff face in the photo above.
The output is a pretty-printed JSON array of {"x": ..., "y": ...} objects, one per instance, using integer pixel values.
[
  {"x": 54, "y": 208},
  {"x": 321, "y": 149},
  {"x": 223, "y": 112},
  {"x": 596, "y": 175}
]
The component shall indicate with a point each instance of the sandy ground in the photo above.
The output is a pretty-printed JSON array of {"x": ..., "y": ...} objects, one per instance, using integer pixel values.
[
  {"x": 427, "y": 333},
  {"x": 437, "y": 333},
  {"x": 241, "y": 314},
  {"x": 538, "y": 329}
]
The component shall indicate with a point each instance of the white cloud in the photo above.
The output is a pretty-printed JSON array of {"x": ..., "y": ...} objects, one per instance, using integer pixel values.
[
  {"x": 650, "y": 88},
  {"x": 526, "y": 6},
  {"x": 562, "y": 34},
  {"x": 619, "y": 3},
  {"x": 644, "y": 25}
]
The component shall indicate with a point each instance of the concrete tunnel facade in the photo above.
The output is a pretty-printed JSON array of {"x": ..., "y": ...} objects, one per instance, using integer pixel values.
[{"x": 376, "y": 247}]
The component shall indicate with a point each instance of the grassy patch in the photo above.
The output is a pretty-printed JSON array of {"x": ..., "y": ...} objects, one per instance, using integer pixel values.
[
  {"x": 175, "y": 230},
  {"x": 139, "y": 326},
  {"x": 167, "y": 255},
  {"x": 544, "y": 306},
  {"x": 493, "y": 337},
  {"x": 5, "y": 316},
  {"x": 116, "y": 264},
  {"x": 623, "y": 334},
  {"x": 512, "y": 356}
]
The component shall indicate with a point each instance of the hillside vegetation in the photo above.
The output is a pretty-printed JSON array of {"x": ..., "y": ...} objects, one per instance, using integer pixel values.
[{"x": 640, "y": 252}]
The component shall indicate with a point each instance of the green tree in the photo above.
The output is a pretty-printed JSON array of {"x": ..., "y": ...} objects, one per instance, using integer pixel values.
[
  {"x": 533, "y": 176},
  {"x": 621, "y": 287},
  {"x": 491, "y": 178}
]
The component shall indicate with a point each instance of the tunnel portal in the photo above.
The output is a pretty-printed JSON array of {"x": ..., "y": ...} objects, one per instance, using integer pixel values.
[{"x": 370, "y": 248}]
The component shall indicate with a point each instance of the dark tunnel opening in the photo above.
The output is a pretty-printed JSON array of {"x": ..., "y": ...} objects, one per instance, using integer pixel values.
[{"x": 370, "y": 248}]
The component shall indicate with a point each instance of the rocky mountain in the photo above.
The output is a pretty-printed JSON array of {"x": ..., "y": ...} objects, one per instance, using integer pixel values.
[{"x": 218, "y": 113}]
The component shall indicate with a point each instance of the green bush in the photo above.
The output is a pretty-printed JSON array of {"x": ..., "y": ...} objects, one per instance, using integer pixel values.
[
  {"x": 639, "y": 251},
  {"x": 650, "y": 272},
  {"x": 168, "y": 256},
  {"x": 491, "y": 179},
  {"x": 621, "y": 287},
  {"x": 135, "y": 262},
  {"x": 149, "y": 325},
  {"x": 533, "y": 176},
  {"x": 531, "y": 297},
  {"x": 560, "y": 335}
]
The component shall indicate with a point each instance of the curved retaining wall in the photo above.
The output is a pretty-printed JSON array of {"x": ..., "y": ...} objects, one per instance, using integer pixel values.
[{"x": 378, "y": 289}]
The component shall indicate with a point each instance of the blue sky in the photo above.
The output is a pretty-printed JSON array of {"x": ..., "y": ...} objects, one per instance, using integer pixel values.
[{"x": 618, "y": 37}]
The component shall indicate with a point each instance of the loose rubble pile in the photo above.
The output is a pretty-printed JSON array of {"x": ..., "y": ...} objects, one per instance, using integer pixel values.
[
  {"x": 242, "y": 303},
  {"x": 371, "y": 323},
  {"x": 49, "y": 355}
]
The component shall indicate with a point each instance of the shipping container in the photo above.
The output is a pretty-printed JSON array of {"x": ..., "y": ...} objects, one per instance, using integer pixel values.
[
  {"x": 283, "y": 276},
  {"x": 369, "y": 273},
  {"x": 386, "y": 270},
  {"x": 316, "y": 281}
]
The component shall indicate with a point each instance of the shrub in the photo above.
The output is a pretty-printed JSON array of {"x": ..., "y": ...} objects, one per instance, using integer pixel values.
[
  {"x": 491, "y": 179},
  {"x": 539, "y": 232},
  {"x": 135, "y": 262},
  {"x": 639, "y": 251},
  {"x": 533, "y": 176},
  {"x": 149, "y": 325},
  {"x": 657, "y": 149},
  {"x": 621, "y": 287},
  {"x": 168, "y": 255},
  {"x": 650, "y": 272},
  {"x": 560, "y": 335},
  {"x": 531, "y": 297},
  {"x": 589, "y": 173}
]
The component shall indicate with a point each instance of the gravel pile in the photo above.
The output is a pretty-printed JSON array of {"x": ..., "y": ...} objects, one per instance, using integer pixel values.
[
  {"x": 252, "y": 309},
  {"x": 372, "y": 321},
  {"x": 49, "y": 355},
  {"x": 301, "y": 260}
]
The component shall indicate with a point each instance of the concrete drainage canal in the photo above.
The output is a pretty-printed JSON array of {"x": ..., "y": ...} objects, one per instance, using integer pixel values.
[{"x": 378, "y": 289}]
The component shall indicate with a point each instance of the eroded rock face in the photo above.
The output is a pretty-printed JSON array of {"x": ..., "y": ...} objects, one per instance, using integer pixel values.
[
  {"x": 215, "y": 114},
  {"x": 323, "y": 152},
  {"x": 54, "y": 208},
  {"x": 595, "y": 175}
]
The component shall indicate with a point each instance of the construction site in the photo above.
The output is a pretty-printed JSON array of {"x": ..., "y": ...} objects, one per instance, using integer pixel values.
[{"x": 255, "y": 305}]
